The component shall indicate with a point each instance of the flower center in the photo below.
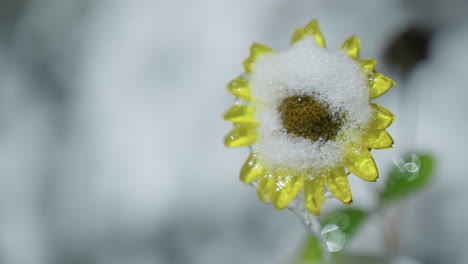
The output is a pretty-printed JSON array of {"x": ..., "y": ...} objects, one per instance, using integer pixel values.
[{"x": 304, "y": 117}]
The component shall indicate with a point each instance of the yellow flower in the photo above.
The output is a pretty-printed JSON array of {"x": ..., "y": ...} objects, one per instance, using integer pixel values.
[{"x": 306, "y": 114}]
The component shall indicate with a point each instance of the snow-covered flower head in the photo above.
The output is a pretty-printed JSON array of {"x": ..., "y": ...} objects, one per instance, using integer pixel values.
[{"x": 306, "y": 114}]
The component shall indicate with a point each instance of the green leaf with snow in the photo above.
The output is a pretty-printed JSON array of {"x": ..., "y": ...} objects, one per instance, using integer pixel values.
[
  {"x": 348, "y": 219},
  {"x": 411, "y": 174}
]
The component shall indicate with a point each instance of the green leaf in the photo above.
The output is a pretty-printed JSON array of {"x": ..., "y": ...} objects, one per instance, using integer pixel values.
[
  {"x": 348, "y": 220},
  {"x": 312, "y": 252},
  {"x": 406, "y": 179}
]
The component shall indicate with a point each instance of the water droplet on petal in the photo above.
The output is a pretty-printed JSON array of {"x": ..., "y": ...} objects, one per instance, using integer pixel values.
[
  {"x": 280, "y": 185},
  {"x": 333, "y": 238}
]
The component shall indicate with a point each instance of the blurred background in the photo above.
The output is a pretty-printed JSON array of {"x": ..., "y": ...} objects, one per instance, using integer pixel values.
[{"x": 111, "y": 132}]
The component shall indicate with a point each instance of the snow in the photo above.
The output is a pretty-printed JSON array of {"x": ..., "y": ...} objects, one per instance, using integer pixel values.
[{"x": 305, "y": 69}]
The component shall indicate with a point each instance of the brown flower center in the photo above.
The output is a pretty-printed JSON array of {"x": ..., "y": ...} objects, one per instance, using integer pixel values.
[{"x": 304, "y": 117}]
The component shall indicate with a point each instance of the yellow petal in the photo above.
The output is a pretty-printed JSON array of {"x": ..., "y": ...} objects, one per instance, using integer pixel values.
[
  {"x": 297, "y": 35},
  {"x": 256, "y": 50},
  {"x": 337, "y": 182},
  {"x": 359, "y": 161},
  {"x": 310, "y": 30},
  {"x": 265, "y": 186},
  {"x": 241, "y": 114},
  {"x": 367, "y": 65},
  {"x": 379, "y": 84},
  {"x": 252, "y": 169},
  {"x": 352, "y": 47},
  {"x": 382, "y": 117},
  {"x": 276, "y": 187},
  {"x": 378, "y": 139},
  {"x": 240, "y": 88},
  {"x": 314, "y": 191},
  {"x": 289, "y": 188},
  {"x": 240, "y": 136}
]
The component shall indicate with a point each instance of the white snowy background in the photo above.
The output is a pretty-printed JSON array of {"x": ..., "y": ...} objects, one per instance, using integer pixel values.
[{"x": 111, "y": 133}]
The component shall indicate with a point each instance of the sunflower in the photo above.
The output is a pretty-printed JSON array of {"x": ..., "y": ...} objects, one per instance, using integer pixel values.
[{"x": 306, "y": 114}]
